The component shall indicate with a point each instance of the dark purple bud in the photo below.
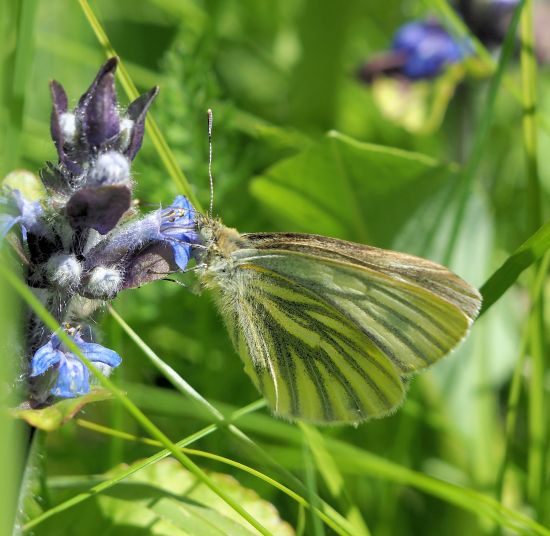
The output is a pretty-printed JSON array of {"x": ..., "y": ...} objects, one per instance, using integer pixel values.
[
  {"x": 100, "y": 120},
  {"x": 62, "y": 125},
  {"x": 136, "y": 113},
  {"x": 154, "y": 262},
  {"x": 98, "y": 208},
  {"x": 59, "y": 101},
  {"x": 108, "y": 67}
]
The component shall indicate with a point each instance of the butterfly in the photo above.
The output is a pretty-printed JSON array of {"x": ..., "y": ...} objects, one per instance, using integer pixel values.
[{"x": 329, "y": 331}]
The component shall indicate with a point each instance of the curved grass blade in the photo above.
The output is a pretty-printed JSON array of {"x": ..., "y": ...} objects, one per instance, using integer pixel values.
[
  {"x": 328, "y": 468},
  {"x": 527, "y": 254},
  {"x": 514, "y": 392},
  {"x": 33, "y": 302},
  {"x": 169, "y": 373},
  {"x": 129, "y": 471},
  {"x": 536, "y": 457}
]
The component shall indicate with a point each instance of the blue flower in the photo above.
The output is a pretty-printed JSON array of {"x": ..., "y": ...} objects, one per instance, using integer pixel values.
[
  {"x": 18, "y": 210},
  {"x": 178, "y": 227},
  {"x": 427, "y": 48},
  {"x": 73, "y": 377}
]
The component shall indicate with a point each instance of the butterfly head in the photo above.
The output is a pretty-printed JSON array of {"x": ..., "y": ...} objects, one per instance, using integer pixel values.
[{"x": 219, "y": 243}]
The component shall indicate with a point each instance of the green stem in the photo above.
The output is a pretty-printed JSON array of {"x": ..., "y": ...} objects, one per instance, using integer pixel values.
[
  {"x": 515, "y": 392},
  {"x": 222, "y": 459},
  {"x": 123, "y": 474},
  {"x": 536, "y": 415},
  {"x": 466, "y": 178}
]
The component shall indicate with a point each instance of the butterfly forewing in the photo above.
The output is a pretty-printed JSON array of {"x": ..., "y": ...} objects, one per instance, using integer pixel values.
[{"x": 412, "y": 325}]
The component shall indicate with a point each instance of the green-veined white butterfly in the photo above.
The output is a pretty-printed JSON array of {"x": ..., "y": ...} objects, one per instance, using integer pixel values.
[{"x": 329, "y": 329}]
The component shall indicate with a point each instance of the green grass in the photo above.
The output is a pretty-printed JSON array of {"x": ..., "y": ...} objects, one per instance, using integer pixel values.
[{"x": 468, "y": 451}]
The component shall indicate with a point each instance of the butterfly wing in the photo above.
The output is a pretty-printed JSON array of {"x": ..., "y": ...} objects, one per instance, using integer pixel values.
[
  {"x": 327, "y": 328},
  {"x": 307, "y": 359},
  {"x": 412, "y": 309}
]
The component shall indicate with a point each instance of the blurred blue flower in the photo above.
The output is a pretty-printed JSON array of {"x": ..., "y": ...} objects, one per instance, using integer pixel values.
[
  {"x": 420, "y": 50},
  {"x": 178, "y": 227},
  {"x": 73, "y": 377},
  {"x": 426, "y": 48}
]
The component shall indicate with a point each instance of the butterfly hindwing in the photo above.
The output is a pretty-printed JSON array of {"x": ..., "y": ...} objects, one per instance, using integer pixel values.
[{"x": 307, "y": 359}]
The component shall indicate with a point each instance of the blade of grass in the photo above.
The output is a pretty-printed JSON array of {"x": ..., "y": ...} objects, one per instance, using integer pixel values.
[
  {"x": 167, "y": 157},
  {"x": 469, "y": 172},
  {"x": 13, "y": 434},
  {"x": 515, "y": 392},
  {"x": 169, "y": 373},
  {"x": 117, "y": 416},
  {"x": 49, "y": 321},
  {"x": 310, "y": 477},
  {"x": 536, "y": 416},
  {"x": 356, "y": 461},
  {"x": 327, "y": 467},
  {"x": 504, "y": 277},
  {"x": 17, "y": 69}
]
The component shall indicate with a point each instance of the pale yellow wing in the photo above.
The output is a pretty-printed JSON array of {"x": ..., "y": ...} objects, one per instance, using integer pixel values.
[
  {"x": 305, "y": 357},
  {"x": 327, "y": 329}
]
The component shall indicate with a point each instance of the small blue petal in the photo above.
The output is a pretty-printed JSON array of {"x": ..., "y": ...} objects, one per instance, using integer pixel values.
[
  {"x": 15, "y": 209},
  {"x": 178, "y": 228},
  {"x": 73, "y": 378},
  {"x": 182, "y": 202},
  {"x": 99, "y": 354},
  {"x": 182, "y": 254},
  {"x": 44, "y": 358},
  {"x": 31, "y": 213},
  {"x": 6, "y": 223}
]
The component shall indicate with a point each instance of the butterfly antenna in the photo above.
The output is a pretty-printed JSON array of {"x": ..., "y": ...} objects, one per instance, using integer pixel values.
[{"x": 210, "y": 123}]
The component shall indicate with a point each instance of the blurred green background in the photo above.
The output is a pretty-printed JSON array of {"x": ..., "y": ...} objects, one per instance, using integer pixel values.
[{"x": 299, "y": 145}]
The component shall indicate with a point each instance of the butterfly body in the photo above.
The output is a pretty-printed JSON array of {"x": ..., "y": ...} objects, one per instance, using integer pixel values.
[{"x": 328, "y": 330}]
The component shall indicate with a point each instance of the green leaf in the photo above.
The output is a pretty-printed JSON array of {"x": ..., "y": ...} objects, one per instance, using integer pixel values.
[
  {"x": 56, "y": 415},
  {"x": 348, "y": 189},
  {"x": 168, "y": 498}
]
